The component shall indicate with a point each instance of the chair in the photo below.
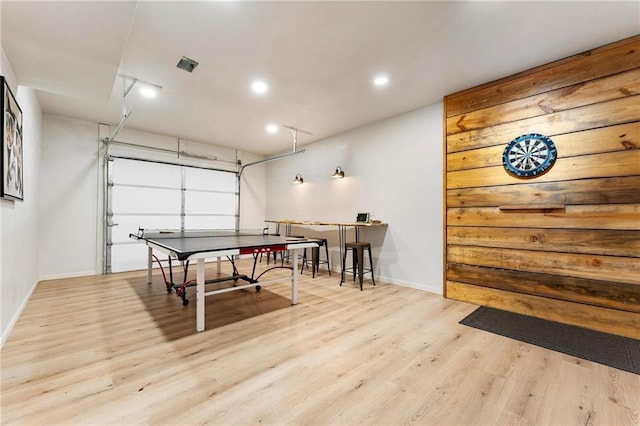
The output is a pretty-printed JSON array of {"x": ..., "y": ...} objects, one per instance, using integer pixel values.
[
  {"x": 315, "y": 257},
  {"x": 285, "y": 255},
  {"x": 357, "y": 250}
]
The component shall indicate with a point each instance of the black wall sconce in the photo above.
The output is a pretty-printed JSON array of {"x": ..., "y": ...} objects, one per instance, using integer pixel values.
[{"x": 338, "y": 174}]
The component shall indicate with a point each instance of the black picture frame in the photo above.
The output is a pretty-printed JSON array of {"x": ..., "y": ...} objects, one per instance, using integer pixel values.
[
  {"x": 12, "y": 154},
  {"x": 362, "y": 218}
]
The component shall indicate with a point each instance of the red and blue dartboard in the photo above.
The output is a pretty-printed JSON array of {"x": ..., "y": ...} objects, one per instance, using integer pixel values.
[{"x": 529, "y": 155}]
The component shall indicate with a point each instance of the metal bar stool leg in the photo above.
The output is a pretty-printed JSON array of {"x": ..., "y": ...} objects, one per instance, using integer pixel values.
[
  {"x": 344, "y": 261},
  {"x": 315, "y": 258},
  {"x": 371, "y": 266},
  {"x": 360, "y": 265},
  {"x": 354, "y": 262},
  {"x": 326, "y": 250}
]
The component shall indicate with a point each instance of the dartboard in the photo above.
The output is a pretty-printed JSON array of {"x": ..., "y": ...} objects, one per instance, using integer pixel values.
[{"x": 528, "y": 156}]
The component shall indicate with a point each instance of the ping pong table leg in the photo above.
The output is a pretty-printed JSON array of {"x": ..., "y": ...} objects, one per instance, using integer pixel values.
[
  {"x": 200, "y": 296},
  {"x": 219, "y": 264},
  {"x": 294, "y": 277},
  {"x": 149, "y": 263}
]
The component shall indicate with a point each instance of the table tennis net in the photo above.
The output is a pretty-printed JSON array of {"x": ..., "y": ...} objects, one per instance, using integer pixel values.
[{"x": 198, "y": 233}]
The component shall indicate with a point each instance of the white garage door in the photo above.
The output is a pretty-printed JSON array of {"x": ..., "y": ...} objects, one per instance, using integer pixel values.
[{"x": 151, "y": 195}]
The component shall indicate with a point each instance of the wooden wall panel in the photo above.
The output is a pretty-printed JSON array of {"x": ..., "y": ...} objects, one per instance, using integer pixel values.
[
  {"x": 607, "y": 60},
  {"x": 591, "y": 266},
  {"x": 621, "y": 163},
  {"x": 616, "y": 190},
  {"x": 615, "y": 321},
  {"x": 588, "y": 117},
  {"x": 609, "y": 294},
  {"x": 592, "y": 241},
  {"x": 608, "y": 216},
  {"x": 604, "y": 89},
  {"x": 564, "y": 245},
  {"x": 623, "y": 137}
]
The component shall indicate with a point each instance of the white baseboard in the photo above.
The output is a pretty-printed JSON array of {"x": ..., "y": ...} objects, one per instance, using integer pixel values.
[
  {"x": 436, "y": 289},
  {"x": 68, "y": 275},
  {"x": 430, "y": 289},
  {"x": 7, "y": 332}
]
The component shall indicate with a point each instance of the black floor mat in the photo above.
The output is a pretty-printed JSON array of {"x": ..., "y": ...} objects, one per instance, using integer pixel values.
[{"x": 615, "y": 351}]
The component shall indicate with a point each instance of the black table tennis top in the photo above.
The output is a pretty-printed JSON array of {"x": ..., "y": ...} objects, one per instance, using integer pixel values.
[{"x": 184, "y": 244}]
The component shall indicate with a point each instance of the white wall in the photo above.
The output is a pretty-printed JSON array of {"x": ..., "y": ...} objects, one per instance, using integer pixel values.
[
  {"x": 253, "y": 191},
  {"x": 68, "y": 203},
  {"x": 19, "y": 219},
  {"x": 394, "y": 171}
]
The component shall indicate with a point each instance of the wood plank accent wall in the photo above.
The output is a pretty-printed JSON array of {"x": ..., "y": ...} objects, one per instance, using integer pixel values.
[{"x": 563, "y": 246}]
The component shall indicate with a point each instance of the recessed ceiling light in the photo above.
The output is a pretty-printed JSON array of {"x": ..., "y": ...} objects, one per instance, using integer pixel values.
[
  {"x": 272, "y": 128},
  {"x": 259, "y": 87},
  {"x": 148, "y": 92},
  {"x": 381, "y": 80}
]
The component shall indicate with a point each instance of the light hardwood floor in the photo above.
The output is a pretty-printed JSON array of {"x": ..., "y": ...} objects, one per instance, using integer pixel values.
[{"x": 113, "y": 350}]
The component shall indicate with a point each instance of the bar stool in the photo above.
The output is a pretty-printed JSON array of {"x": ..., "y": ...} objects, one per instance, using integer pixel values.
[
  {"x": 286, "y": 255},
  {"x": 315, "y": 257},
  {"x": 357, "y": 250}
]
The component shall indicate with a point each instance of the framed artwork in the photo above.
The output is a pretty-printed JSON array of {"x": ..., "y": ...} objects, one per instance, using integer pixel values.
[
  {"x": 11, "y": 164},
  {"x": 362, "y": 218}
]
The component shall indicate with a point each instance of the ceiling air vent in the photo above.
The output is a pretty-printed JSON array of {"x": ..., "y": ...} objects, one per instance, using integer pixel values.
[{"x": 187, "y": 64}]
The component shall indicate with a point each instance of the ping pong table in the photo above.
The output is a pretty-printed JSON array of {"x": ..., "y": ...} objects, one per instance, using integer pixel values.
[{"x": 198, "y": 245}]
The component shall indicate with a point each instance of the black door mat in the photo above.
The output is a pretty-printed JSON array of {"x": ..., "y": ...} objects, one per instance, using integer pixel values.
[{"x": 615, "y": 351}]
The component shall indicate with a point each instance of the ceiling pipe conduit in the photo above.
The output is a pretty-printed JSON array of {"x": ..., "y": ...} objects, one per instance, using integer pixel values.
[
  {"x": 127, "y": 84},
  {"x": 294, "y": 134}
]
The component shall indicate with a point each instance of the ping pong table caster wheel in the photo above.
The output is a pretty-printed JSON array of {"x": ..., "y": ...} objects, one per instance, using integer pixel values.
[
  {"x": 258, "y": 288},
  {"x": 185, "y": 302}
]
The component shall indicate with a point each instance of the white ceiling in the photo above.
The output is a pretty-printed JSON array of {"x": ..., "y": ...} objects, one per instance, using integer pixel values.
[{"x": 318, "y": 57}]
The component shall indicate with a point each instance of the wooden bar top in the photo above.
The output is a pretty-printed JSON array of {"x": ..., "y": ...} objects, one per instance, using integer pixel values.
[{"x": 323, "y": 223}]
